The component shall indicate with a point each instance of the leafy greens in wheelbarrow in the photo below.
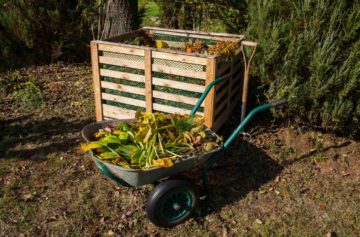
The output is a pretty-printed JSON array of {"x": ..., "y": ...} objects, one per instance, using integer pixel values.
[{"x": 155, "y": 139}]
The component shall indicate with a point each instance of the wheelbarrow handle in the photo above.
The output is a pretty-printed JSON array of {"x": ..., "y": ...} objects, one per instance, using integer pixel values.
[
  {"x": 204, "y": 94},
  {"x": 249, "y": 117}
]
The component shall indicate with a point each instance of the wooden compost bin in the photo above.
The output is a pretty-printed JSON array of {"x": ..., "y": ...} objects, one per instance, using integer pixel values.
[{"x": 128, "y": 77}]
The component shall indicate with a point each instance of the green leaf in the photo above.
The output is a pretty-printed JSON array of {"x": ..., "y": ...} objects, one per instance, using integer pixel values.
[
  {"x": 108, "y": 155},
  {"x": 123, "y": 127},
  {"x": 123, "y": 136},
  {"x": 111, "y": 139},
  {"x": 128, "y": 151}
]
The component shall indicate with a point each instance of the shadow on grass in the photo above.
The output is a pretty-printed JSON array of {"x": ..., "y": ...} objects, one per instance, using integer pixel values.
[
  {"x": 24, "y": 138},
  {"x": 242, "y": 169}
]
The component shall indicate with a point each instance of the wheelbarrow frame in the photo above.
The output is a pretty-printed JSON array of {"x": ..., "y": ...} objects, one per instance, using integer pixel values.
[{"x": 157, "y": 196}]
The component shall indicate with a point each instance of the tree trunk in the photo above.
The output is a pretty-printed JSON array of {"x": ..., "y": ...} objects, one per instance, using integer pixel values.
[{"x": 118, "y": 17}]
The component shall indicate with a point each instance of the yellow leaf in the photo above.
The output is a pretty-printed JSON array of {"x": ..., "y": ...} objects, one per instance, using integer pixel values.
[
  {"x": 163, "y": 162},
  {"x": 161, "y": 44},
  {"x": 89, "y": 146}
]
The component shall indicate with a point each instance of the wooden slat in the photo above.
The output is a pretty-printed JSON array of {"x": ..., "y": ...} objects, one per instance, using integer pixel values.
[
  {"x": 228, "y": 104},
  {"x": 222, "y": 68},
  {"x": 185, "y": 32},
  {"x": 179, "y": 72},
  {"x": 219, "y": 122},
  {"x": 174, "y": 97},
  {"x": 201, "y": 35},
  {"x": 96, "y": 80},
  {"x": 238, "y": 66},
  {"x": 178, "y": 85},
  {"x": 122, "y": 37},
  {"x": 120, "y": 49},
  {"x": 219, "y": 87},
  {"x": 210, "y": 99},
  {"x": 117, "y": 112},
  {"x": 220, "y": 95},
  {"x": 120, "y": 87},
  {"x": 171, "y": 109},
  {"x": 121, "y": 62},
  {"x": 221, "y": 107},
  {"x": 179, "y": 58},
  {"x": 148, "y": 81},
  {"x": 124, "y": 100},
  {"x": 122, "y": 75}
]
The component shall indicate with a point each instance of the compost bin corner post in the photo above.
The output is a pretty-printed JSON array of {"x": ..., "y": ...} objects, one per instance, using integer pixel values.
[
  {"x": 96, "y": 80},
  {"x": 148, "y": 80},
  {"x": 210, "y": 99}
]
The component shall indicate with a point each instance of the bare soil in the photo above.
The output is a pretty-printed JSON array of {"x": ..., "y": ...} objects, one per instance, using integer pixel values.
[{"x": 276, "y": 180}]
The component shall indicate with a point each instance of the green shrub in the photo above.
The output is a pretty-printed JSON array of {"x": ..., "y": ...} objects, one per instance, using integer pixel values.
[
  {"x": 29, "y": 97},
  {"x": 309, "y": 51}
]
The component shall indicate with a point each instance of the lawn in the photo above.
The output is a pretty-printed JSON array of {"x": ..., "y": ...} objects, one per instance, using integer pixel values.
[{"x": 277, "y": 180}]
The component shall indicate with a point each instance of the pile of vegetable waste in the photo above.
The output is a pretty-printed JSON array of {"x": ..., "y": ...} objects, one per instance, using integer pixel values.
[
  {"x": 154, "y": 140},
  {"x": 226, "y": 48}
]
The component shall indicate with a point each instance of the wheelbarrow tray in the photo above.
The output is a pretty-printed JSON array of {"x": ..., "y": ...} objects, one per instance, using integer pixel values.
[{"x": 137, "y": 177}]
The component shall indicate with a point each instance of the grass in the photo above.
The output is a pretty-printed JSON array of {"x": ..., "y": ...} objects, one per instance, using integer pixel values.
[{"x": 269, "y": 185}]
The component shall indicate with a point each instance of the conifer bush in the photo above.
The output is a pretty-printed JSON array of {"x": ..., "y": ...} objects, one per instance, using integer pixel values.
[{"x": 309, "y": 51}]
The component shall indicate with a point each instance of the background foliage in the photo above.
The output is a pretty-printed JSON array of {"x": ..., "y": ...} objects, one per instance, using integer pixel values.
[
  {"x": 43, "y": 31},
  {"x": 308, "y": 50}
]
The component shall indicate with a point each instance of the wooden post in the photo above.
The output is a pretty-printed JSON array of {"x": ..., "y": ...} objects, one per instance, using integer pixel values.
[
  {"x": 96, "y": 80},
  {"x": 148, "y": 80},
  {"x": 210, "y": 99},
  {"x": 247, "y": 64}
]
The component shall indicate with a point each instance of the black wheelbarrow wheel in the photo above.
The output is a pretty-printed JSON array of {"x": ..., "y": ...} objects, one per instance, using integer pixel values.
[{"x": 172, "y": 202}]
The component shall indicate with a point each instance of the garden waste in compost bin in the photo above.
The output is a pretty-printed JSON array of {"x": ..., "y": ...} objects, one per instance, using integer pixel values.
[
  {"x": 154, "y": 140},
  {"x": 219, "y": 47}
]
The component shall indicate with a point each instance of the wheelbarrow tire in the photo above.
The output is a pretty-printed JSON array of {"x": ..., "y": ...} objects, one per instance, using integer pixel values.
[{"x": 172, "y": 202}]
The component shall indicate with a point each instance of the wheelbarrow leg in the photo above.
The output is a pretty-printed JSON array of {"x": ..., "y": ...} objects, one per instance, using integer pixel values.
[{"x": 205, "y": 176}]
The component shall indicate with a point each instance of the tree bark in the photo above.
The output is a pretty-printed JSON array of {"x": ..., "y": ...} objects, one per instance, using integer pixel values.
[{"x": 118, "y": 17}]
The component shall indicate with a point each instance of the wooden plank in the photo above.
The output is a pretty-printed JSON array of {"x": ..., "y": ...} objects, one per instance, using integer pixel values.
[
  {"x": 228, "y": 105},
  {"x": 122, "y": 75},
  {"x": 179, "y": 72},
  {"x": 148, "y": 81},
  {"x": 108, "y": 118},
  {"x": 96, "y": 80},
  {"x": 117, "y": 112},
  {"x": 124, "y": 88},
  {"x": 123, "y": 36},
  {"x": 220, "y": 95},
  {"x": 124, "y": 100},
  {"x": 222, "y": 68},
  {"x": 219, "y": 122},
  {"x": 174, "y": 97},
  {"x": 171, "y": 109},
  {"x": 219, "y": 87},
  {"x": 120, "y": 49},
  {"x": 178, "y": 85},
  {"x": 210, "y": 99},
  {"x": 221, "y": 107},
  {"x": 195, "y": 35},
  {"x": 179, "y": 58},
  {"x": 121, "y": 62},
  {"x": 193, "y": 32},
  {"x": 198, "y": 55}
]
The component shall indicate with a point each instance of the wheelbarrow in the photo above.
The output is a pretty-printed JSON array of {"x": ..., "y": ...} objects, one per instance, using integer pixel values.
[{"x": 173, "y": 199}]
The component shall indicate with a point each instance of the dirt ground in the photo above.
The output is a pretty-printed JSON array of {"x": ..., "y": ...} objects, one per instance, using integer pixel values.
[{"x": 276, "y": 180}]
